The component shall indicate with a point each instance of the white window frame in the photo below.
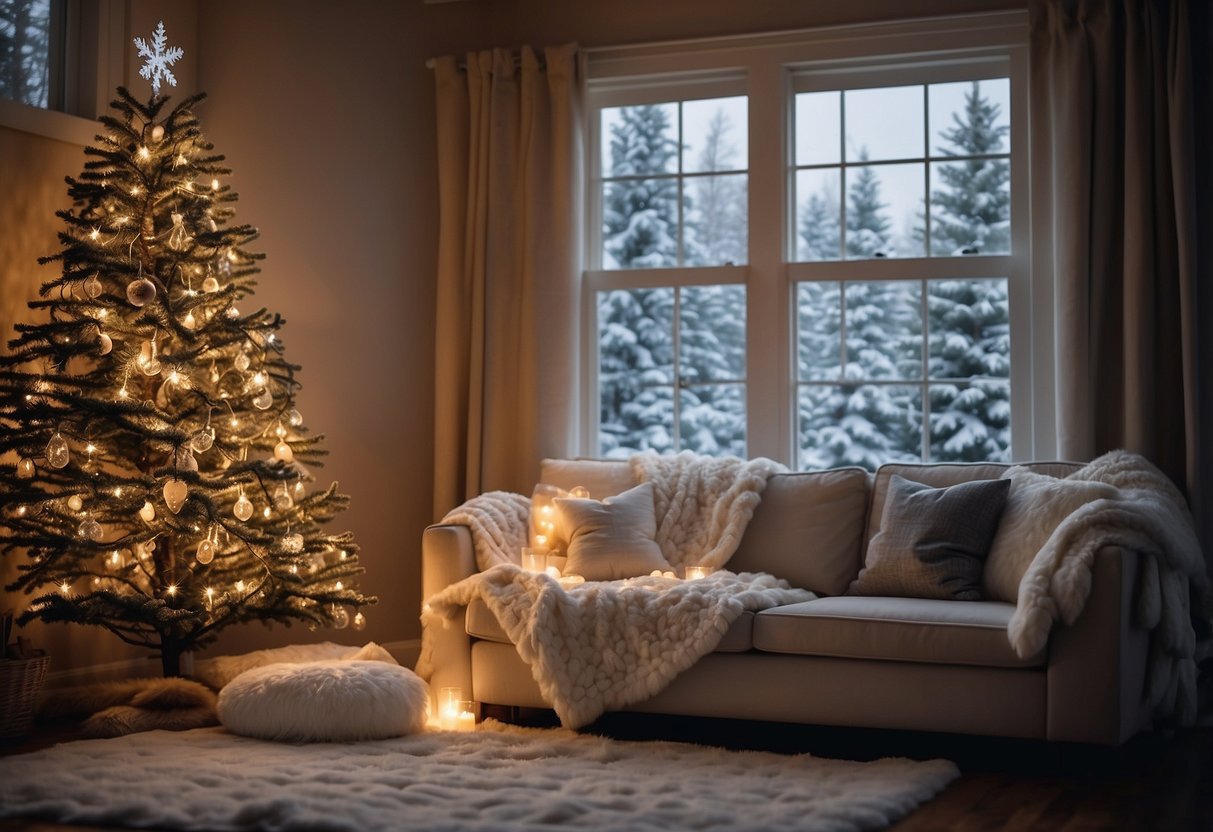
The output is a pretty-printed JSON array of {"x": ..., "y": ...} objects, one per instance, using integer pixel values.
[
  {"x": 93, "y": 65},
  {"x": 773, "y": 66}
]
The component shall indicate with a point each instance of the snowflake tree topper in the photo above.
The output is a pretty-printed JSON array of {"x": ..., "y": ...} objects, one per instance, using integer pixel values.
[{"x": 159, "y": 59}]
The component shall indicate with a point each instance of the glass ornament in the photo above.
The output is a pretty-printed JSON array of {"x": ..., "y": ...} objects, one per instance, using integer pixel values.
[
  {"x": 292, "y": 543},
  {"x": 175, "y": 493},
  {"x": 25, "y": 468},
  {"x": 294, "y": 418},
  {"x": 157, "y": 132},
  {"x": 140, "y": 291},
  {"x": 243, "y": 509},
  {"x": 263, "y": 400},
  {"x": 282, "y": 498},
  {"x": 183, "y": 460},
  {"x": 114, "y": 561},
  {"x": 148, "y": 513},
  {"x": 341, "y": 618},
  {"x": 189, "y": 321},
  {"x": 75, "y": 502},
  {"x": 280, "y": 431},
  {"x": 283, "y": 452},
  {"x": 210, "y": 284},
  {"x": 300, "y": 491},
  {"x": 359, "y": 621},
  {"x": 104, "y": 344},
  {"x": 90, "y": 529},
  {"x": 178, "y": 237},
  {"x": 203, "y": 439},
  {"x": 241, "y": 361},
  {"x": 92, "y": 287},
  {"x": 205, "y": 552},
  {"x": 232, "y": 312},
  {"x": 148, "y": 364},
  {"x": 57, "y": 452}
]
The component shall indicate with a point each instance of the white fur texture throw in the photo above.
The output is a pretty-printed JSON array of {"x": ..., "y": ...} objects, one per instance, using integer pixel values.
[
  {"x": 600, "y": 646},
  {"x": 1147, "y": 515},
  {"x": 702, "y": 503},
  {"x": 499, "y": 523}
]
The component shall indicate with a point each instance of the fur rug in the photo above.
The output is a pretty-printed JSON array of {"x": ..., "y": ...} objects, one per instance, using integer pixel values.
[
  {"x": 497, "y": 779},
  {"x": 602, "y": 645},
  {"x": 1147, "y": 515},
  {"x": 132, "y": 705}
]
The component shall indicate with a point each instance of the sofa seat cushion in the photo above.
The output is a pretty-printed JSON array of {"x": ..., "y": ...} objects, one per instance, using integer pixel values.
[
  {"x": 482, "y": 624},
  {"x": 893, "y": 629}
]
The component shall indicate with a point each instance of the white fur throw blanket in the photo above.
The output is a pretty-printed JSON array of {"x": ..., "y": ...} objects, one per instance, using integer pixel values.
[
  {"x": 604, "y": 645},
  {"x": 600, "y": 646},
  {"x": 1148, "y": 516}
]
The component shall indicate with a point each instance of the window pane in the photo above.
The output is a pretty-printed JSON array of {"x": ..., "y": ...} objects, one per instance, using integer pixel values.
[
  {"x": 970, "y": 117},
  {"x": 884, "y": 329},
  {"x": 971, "y": 207},
  {"x": 818, "y": 128},
  {"x": 863, "y": 425},
  {"x": 971, "y": 422},
  {"x": 640, "y": 140},
  {"x": 884, "y": 211},
  {"x": 969, "y": 328},
  {"x": 819, "y": 331},
  {"x": 640, "y": 223},
  {"x": 25, "y": 51},
  {"x": 818, "y": 208},
  {"x": 712, "y": 419},
  {"x": 715, "y": 134},
  {"x": 636, "y": 370},
  {"x": 716, "y": 220},
  {"x": 711, "y": 344},
  {"x": 884, "y": 123}
]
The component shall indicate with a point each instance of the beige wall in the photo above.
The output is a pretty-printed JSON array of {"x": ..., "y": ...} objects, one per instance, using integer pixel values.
[{"x": 325, "y": 112}]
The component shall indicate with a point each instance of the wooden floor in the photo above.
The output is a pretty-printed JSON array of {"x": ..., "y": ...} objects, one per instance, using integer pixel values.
[{"x": 1153, "y": 783}]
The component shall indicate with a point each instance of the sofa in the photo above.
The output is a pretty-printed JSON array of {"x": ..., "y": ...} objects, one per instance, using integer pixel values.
[{"x": 846, "y": 660}]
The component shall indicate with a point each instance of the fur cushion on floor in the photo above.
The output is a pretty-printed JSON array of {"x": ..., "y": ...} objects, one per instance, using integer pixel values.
[
  {"x": 132, "y": 705},
  {"x": 327, "y": 701}
]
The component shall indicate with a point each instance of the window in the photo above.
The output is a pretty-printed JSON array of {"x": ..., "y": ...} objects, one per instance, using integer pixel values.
[
  {"x": 32, "y": 34},
  {"x": 854, "y": 292},
  {"x": 671, "y": 188}
]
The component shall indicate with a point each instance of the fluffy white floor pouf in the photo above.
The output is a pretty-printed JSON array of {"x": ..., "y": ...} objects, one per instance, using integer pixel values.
[{"x": 333, "y": 701}]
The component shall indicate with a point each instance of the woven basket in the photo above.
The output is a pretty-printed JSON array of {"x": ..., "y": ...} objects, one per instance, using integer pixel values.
[{"x": 20, "y": 682}]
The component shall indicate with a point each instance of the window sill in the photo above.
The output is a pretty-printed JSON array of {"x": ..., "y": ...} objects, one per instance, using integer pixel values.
[{"x": 47, "y": 123}]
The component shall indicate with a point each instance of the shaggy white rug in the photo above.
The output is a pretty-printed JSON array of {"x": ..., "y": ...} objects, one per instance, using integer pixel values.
[{"x": 499, "y": 778}]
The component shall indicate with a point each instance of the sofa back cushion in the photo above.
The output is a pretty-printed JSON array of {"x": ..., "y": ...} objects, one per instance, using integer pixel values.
[{"x": 807, "y": 529}]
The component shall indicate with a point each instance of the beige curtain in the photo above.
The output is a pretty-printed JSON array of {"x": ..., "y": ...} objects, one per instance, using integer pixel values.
[
  {"x": 508, "y": 283},
  {"x": 1121, "y": 147}
]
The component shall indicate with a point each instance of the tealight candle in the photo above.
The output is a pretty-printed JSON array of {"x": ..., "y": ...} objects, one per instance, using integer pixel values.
[
  {"x": 696, "y": 572},
  {"x": 466, "y": 721},
  {"x": 450, "y": 701}
]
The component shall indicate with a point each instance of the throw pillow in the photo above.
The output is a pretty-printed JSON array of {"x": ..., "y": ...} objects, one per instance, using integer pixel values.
[
  {"x": 932, "y": 541},
  {"x": 612, "y": 539},
  {"x": 1036, "y": 505}
]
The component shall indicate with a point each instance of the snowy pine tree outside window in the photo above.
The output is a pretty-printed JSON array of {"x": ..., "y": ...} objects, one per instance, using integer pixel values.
[{"x": 803, "y": 249}]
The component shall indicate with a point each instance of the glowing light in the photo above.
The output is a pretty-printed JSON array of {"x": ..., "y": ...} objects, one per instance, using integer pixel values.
[
  {"x": 65, "y": 588},
  {"x": 343, "y": 554},
  {"x": 136, "y": 190},
  {"x": 339, "y": 586},
  {"x": 214, "y": 184},
  {"x": 95, "y": 233},
  {"x": 258, "y": 379},
  {"x": 172, "y": 590},
  {"x": 189, "y": 322},
  {"x": 180, "y": 160},
  {"x": 240, "y": 586},
  {"x": 144, "y": 154},
  {"x": 90, "y": 448},
  {"x": 21, "y": 511},
  {"x": 122, "y": 394},
  {"x": 117, "y": 491},
  {"x": 266, "y": 512}
]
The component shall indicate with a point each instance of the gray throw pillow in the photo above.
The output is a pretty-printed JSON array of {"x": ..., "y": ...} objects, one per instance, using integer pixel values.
[
  {"x": 612, "y": 539},
  {"x": 932, "y": 542}
]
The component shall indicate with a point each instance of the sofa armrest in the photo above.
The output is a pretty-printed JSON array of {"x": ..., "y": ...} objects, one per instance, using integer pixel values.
[
  {"x": 446, "y": 558},
  {"x": 1097, "y": 667}
]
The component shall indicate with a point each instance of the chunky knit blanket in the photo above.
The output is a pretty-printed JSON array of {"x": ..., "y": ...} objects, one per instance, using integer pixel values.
[
  {"x": 603, "y": 645},
  {"x": 1149, "y": 516}
]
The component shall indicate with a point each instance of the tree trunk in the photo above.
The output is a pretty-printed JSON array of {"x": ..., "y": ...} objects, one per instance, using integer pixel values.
[{"x": 170, "y": 657}]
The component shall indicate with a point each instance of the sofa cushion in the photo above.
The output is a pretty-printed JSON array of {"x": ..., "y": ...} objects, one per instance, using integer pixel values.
[
  {"x": 933, "y": 542},
  {"x": 482, "y": 624},
  {"x": 940, "y": 474},
  {"x": 611, "y": 539},
  {"x": 893, "y": 629},
  {"x": 807, "y": 530},
  {"x": 1036, "y": 505}
]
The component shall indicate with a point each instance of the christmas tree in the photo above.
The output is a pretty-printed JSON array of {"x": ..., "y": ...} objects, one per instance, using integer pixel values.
[{"x": 158, "y": 469}]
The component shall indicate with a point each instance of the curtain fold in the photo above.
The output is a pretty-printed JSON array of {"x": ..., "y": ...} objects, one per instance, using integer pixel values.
[
  {"x": 1120, "y": 100},
  {"x": 506, "y": 340}
]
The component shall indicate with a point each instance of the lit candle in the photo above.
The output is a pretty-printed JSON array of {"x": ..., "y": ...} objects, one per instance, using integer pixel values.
[
  {"x": 534, "y": 560},
  {"x": 449, "y": 702},
  {"x": 467, "y": 717},
  {"x": 697, "y": 572}
]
